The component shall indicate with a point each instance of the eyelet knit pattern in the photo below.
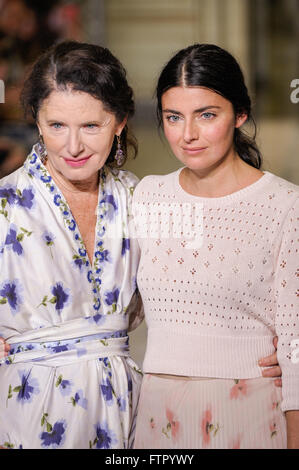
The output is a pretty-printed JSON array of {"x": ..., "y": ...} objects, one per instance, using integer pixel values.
[{"x": 213, "y": 303}]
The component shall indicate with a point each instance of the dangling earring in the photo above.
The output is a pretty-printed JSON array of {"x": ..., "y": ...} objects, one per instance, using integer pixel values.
[
  {"x": 42, "y": 149},
  {"x": 119, "y": 156}
]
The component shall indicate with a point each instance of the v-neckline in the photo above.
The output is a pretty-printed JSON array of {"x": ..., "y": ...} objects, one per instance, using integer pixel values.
[{"x": 94, "y": 271}]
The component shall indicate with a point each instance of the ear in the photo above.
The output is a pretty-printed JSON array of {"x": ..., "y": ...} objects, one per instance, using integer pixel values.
[
  {"x": 240, "y": 119},
  {"x": 120, "y": 126}
]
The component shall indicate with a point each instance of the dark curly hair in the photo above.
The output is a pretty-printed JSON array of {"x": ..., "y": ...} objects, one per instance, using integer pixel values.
[{"x": 83, "y": 67}]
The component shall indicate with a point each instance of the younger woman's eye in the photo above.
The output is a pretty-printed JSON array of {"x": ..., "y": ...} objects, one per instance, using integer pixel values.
[
  {"x": 208, "y": 115},
  {"x": 173, "y": 118}
]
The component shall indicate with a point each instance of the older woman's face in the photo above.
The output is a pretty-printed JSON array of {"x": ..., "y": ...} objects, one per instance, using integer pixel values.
[{"x": 78, "y": 133}]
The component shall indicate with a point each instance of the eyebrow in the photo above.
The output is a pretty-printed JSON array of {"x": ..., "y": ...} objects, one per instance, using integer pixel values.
[{"x": 199, "y": 110}]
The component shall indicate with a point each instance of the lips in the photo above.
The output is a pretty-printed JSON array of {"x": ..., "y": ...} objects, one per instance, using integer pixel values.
[
  {"x": 77, "y": 163},
  {"x": 193, "y": 150}
]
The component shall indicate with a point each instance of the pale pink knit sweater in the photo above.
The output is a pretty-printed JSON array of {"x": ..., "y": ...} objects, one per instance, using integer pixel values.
[{"x": 213, "y": 305}]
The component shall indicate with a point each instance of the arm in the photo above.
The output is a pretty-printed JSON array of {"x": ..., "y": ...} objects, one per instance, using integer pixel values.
[
  {"x": 292, "y": 418},
  {"x": 287, "y": 321},
  {"x": 135, "y": 311}
]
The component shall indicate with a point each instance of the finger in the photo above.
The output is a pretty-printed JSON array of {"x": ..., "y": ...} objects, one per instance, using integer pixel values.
[
  {"x": 4, "y": 348},
  {"x": 275, "y": 341},
  {"x": 269, "y": 360},
  {"x": 272, "y": 372},
  {"x": 278, "y": 383},
  {"x": 3, "y": 344}
]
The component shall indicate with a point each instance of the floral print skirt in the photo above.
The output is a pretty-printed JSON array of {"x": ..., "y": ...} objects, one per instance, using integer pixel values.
[
  {"x": 204, "y": 413},
  {"x": 85, "y": 405}
]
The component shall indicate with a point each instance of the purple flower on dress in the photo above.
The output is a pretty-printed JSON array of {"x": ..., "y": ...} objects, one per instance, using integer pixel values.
[
  {"x": 46, "y": 179},
  {"x": 12, "y": 241},
  {"x": 97, "y": 306},
  {"x": 79, "y": 263},
  {"x": 56, "y": 437},
  {"x": 48, "y": 238},
  {"x": 110, "y": 205},
  {"x": 8, "y": 193},
  {"x": 28, "y": 387},
  {"x": 80, "y": 400},
  {"x": 26, "y": 198},
  {"x": 122, "y": 403},
  {"x": 57, "y": 199},
  {"x": 72, "y": 225},
  {"x": 112, "y": 297},
  {"x": 105, "y": 437},
  {"x": 33, "y": 158},
  {"x": 32, "y": 173},
  {"x": 125, "y": 246},
  {"x": 11, "y": 292},
  {"x": 59, "y": 348},
  {"x": 103, "y": 256},
  {"x": 107, "y": 391},
  {"x": 65, "y": 387},
  {"x": 61, "y": 295},
  {"x": 98, "y": 319}
]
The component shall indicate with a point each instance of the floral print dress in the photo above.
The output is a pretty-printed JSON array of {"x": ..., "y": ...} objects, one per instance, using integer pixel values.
[{"x": 68, "y": 381}]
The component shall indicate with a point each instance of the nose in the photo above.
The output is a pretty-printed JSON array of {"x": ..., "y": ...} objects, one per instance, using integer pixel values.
[
  {"x": 74, "y": 144},
  {"x": 191, "y": 131}
]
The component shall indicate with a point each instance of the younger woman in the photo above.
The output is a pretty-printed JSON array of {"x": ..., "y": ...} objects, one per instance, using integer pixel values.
[{"x": 218, "y": 272}]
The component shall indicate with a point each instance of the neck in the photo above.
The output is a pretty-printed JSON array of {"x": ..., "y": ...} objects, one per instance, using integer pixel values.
[
  {"x": 228, "y": 176},
  {"x": 88, "y": 186}
]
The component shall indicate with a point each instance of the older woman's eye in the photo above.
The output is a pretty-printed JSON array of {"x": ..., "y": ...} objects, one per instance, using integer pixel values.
[
  {"x": 56, "y": 125},
  {"x": 91, "y": 127}
]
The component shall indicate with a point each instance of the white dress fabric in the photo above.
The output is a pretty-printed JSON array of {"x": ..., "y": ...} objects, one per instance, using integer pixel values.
[{"x": 68, "y": 381}]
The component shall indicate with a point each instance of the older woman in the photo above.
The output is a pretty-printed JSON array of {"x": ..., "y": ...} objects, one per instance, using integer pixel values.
[{"x": 67, "y": 289}]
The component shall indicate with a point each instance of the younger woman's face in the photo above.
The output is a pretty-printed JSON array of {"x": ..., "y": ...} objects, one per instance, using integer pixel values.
[{"x": 199, "y": 125}]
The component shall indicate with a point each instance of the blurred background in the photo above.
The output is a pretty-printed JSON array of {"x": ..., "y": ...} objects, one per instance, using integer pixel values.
[{"x": 262, "y": 34}]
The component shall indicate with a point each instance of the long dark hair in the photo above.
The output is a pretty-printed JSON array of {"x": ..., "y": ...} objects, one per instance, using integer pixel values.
[
  {"x": 83, "y": 67},
  {"x": 209, "y": 66}
]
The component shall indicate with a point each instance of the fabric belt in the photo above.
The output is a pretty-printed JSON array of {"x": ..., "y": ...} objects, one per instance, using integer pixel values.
[{"x": 70, "y": 342}]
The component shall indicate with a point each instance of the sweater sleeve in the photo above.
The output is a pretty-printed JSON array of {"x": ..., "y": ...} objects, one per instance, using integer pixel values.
[{"x": 287, "y": 313}]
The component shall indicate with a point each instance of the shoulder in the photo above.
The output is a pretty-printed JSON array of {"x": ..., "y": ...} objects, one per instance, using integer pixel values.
[
  {"x": 280, "y": 192},
  {"x": 124, "y": 178},
  {"x": 155, "y": 185},
  {"x": 283, "y": 196},
  {"x": 282, "y": 186},
  {"x": 9, "y": 193}
]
